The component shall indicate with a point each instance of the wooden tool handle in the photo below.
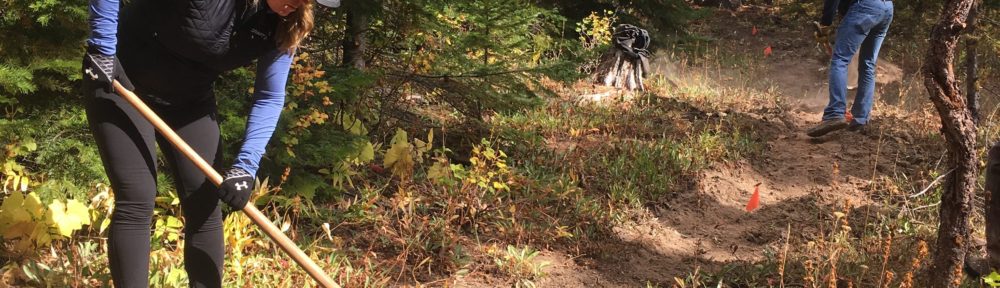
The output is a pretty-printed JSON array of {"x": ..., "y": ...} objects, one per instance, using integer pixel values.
[{"x": 265, "y": 224}]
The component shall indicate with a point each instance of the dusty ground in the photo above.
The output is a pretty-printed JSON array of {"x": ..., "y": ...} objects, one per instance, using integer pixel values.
[{"x": 803, "y": 180}]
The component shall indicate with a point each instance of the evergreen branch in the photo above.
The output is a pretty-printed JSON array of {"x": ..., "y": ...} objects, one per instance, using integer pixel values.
[{"x": 16, "y": 80}]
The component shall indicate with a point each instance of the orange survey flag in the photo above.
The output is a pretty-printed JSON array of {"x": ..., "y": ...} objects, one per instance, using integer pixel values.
[{"x": 754, "y": 199}]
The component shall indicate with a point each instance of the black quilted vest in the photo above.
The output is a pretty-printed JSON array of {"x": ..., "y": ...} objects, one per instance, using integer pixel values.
[
  {"x": 176, "y": 49},
  {"x": 222, "y": 34}
]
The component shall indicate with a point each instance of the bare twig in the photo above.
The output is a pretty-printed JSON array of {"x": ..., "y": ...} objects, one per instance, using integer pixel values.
[
  {"x": 926, "y": 206},
  {"x": 784, "y": 254},
  {"x": 987, "y": 20},
  {"x": 466, "y": 75},
  {"x": 933, "y": 183}
]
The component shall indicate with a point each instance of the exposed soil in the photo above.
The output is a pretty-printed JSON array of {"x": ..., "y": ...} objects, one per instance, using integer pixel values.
[{"x": 802, "y": 180}]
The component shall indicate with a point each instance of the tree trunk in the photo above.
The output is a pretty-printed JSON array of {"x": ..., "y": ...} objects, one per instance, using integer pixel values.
[
  {"x": 972, "y": 65},
  {"x": 355, "y": 40},
  {"x": 959, "y": 131}
]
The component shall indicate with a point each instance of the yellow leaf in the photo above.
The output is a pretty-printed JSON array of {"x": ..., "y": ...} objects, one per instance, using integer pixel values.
[
  {"x": 439, "y": 171},
  {"x": 173, "y": 222},
  {"x": 20, "y": 215},
  {"x": 421, "y": 147},
  {"x": 352, "y": 124},
  {"x": 10, "y": 205},
  {"x": 33, "y": 205},
  {"x": 563, "y": 232},
  {"x": 367, "y": 153},
  {"x": 63, "y": 223},
  {"x": 104, "y": 225},
  {"x": 430, "y": 136},
  {"x": 41, "y": 235},
  {"x": 19, "y": 230},
  {"x": 69, "y": 217},
  {"x": 399, "y": 157}
]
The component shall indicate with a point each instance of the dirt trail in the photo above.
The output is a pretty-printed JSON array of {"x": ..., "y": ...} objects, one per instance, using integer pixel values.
[
  {"x": 707, "y": 226},
  {"x": 802, "y": 181}
]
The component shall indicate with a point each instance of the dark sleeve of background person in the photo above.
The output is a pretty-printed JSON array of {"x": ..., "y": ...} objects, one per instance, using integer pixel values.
[
  {"x": 833, "y": 7},
  {"x": 829, "y": 9}
]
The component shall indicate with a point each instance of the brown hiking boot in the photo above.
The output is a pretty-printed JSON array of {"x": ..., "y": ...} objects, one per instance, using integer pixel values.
[
  {"x": 858, "y": 128},
  {"x": 826, "y": 127}
]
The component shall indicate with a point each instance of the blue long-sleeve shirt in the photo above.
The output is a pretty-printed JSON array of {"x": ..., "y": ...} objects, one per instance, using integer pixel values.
[
  {"x": 268, "y": 100},
  {"x": 104, "y": 26},
  {"x": 269, "y": 85}
]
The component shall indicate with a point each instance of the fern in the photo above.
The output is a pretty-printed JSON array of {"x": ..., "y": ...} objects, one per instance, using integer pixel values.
[{"x": 16, "y": 80}]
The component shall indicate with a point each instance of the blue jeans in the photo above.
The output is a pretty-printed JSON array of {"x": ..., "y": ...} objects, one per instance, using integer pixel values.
[{"x": 864, "y": 26}]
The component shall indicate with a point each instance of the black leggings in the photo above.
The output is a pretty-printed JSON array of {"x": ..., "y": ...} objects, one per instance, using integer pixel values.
[{"x": 127, "y": 143}]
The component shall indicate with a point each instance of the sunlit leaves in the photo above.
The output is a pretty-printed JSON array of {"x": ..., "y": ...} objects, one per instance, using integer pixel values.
[
  {"x": 440, "y": 171},
  {"x": 27, "y": 224},
  {"x": 19, "y": 216},
  {"x": 489, "y": 168},
  {"x": 993, "y": 280},
  {"x": 14, "y": 177},
  {"x": 422, "y": 147},
  {"x": 168, "y": 228},
  {"x": 69, "y": 217},
  {"x": 399, "y": 157},
  {"x": 595, "y": 30}
]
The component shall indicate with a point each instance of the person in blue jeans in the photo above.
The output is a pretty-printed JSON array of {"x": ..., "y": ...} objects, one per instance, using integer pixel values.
[{"x": 862, "y": 30}]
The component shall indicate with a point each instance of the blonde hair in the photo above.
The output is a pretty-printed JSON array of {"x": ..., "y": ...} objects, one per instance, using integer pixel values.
[{"x": 294, "y": 28}]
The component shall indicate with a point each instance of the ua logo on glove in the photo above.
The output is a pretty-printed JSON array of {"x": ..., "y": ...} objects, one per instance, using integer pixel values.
[
  {"x": 90, "y": 72},
  {"x": 236, "y": 187}
]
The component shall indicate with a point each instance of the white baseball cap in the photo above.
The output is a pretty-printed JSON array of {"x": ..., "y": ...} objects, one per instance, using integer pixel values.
[{"x": 329, "y": 3}]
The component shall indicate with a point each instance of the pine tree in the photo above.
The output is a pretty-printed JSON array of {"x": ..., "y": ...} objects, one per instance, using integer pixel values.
[{"x": 41, "y": 49}]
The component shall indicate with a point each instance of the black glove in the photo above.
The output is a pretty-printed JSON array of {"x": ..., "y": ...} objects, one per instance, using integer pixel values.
[
  {"x": 236, "y": 187},
  {"x": 100, "y": 68}
]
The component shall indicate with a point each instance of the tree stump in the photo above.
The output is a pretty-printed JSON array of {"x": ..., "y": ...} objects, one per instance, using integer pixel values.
[
  {"x": 616, "y": 70},
  {"x": 626, "y": 63}
]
